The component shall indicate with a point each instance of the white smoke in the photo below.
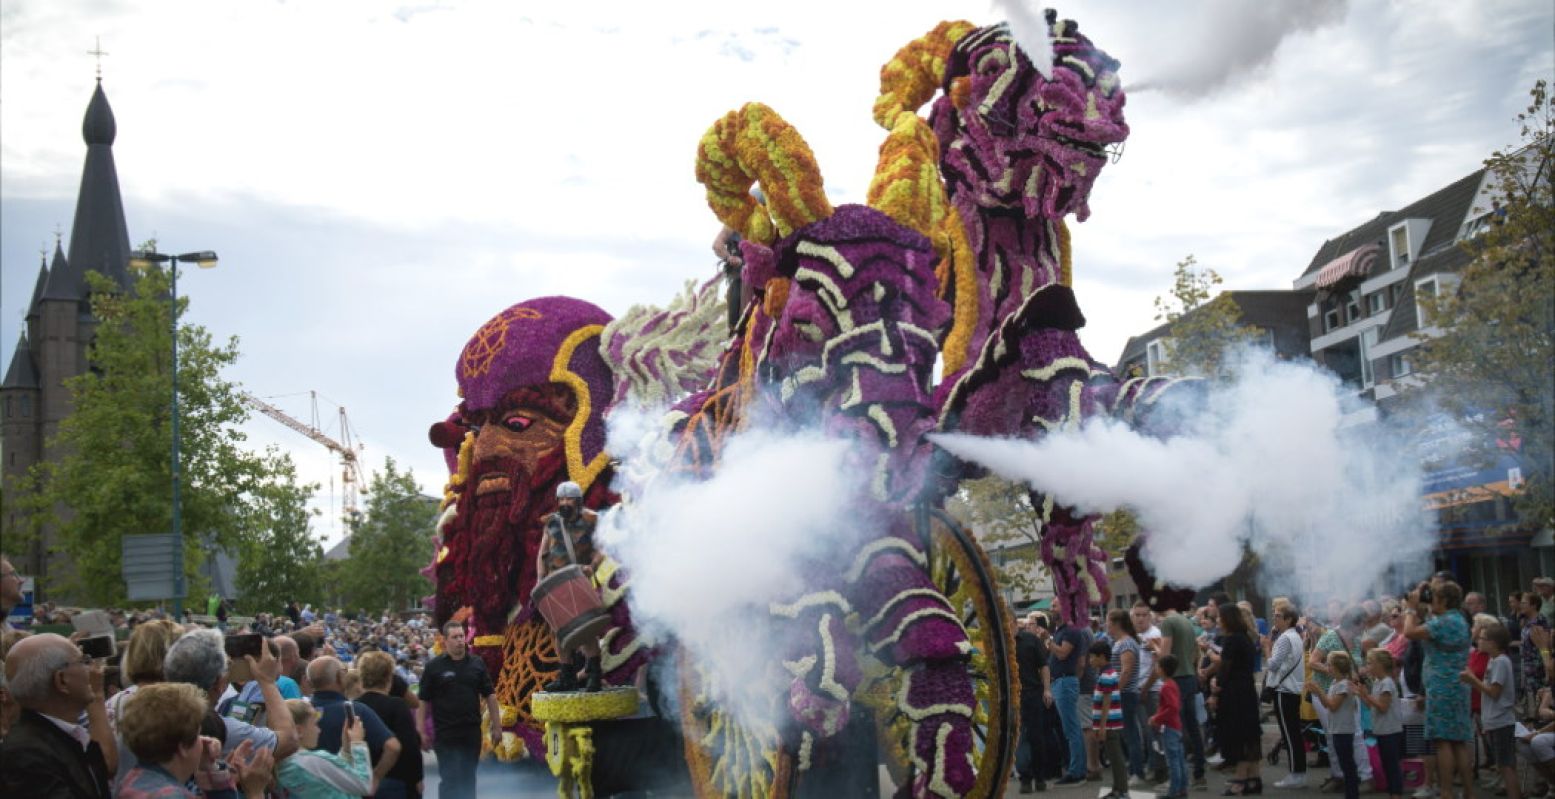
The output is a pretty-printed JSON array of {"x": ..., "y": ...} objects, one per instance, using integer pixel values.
[
  {"x": 1029, "y": 29},
  {"x": 707, "y": 558},
  {"x": 1267, "y": 465},
  {"x": 1225, "y": 40}
]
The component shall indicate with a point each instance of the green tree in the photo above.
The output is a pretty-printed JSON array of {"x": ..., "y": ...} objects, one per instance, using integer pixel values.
[
  {"x": 390, "y": 545},
  {"x": 280, "y": 560},
  {"x": 1486, "y": 356},
  {"x": 1203, "y": 325},
  {"x": 114, "y": 478},
  {"x": 1116, "y": 532},
  {"x": 999, "y": 513}
]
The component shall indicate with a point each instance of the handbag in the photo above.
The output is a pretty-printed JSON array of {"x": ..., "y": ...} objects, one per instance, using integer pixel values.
[{"x": 1267, "y": 695}]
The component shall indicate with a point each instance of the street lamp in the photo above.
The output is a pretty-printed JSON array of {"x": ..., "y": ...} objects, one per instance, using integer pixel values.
[{"x": 205, "y": 259}]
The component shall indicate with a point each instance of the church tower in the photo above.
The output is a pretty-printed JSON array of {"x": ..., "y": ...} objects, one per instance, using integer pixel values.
[{"x": 33, "y": 397}]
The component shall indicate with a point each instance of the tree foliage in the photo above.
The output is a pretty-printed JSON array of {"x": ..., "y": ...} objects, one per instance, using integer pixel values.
[
  {"x": 1203, "y": 325},
  {"x": 280, "y": 560},
  {"x": 114, "y": 477},
  {"x": 1000, "y": 514},
  {"x": 390, "y": 545},
  {"x": 1486, "y": 355}
]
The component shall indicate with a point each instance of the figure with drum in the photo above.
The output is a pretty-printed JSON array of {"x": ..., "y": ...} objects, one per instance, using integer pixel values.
[{"x": 565, "y": 592}]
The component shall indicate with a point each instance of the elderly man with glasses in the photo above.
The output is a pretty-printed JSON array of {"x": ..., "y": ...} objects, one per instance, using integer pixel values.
[
  {"x": 10, "y": 588},
  {"x": 50, "y": 753}
]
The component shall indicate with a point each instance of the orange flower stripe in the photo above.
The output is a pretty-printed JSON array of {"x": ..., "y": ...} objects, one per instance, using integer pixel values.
[
  {"x": 1065, "y": 255},
  {"x": 528, "y": 658},
  {"x": 964, "y": 302},
  {"x": 913, "y": 75},
  {"x": 755, "y": 145},
  {"x": 907, "y": 186}
]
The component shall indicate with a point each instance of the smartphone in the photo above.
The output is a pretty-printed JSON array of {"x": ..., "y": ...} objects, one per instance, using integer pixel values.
[
  {"x": 350, "y": 713},
  {"x": 245, "y": 644},
  {"x": 97, "y": 646}
]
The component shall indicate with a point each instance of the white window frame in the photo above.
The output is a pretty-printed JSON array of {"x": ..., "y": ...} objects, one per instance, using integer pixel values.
[
  {"x": 1368, "y": 340},
  {"x": 1156, "y": 357},
  {"x": 1377, "y": 302},
  {"x": 1398, "y": 257},
  {"x": 1397, "y": 360},
  {"x": 1332, "y": 320},
  {"x": 1436, "y": 287}
]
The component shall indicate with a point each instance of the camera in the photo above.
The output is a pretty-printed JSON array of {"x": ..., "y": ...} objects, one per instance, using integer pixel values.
[
  {"x": 1426, "y": 594},
  {"x": 97, "y": 647},
  {"x": 245, "y": 644}
]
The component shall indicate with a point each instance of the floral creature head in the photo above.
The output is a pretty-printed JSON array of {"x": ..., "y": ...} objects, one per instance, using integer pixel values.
[
  {"x": 542, "y": 353},
  {"x": 1016, "y": 139}
]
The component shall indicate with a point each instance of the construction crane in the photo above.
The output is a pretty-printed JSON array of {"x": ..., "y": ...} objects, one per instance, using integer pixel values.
[{"x": 347, "y": 448}]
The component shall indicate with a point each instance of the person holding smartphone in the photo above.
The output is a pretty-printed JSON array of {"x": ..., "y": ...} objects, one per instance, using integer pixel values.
[
  {"x": 49, "y": 752},
  {"x": 316, "y": 772}
]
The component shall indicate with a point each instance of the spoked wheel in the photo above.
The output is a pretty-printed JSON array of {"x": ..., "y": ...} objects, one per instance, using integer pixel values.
[
  {"x": 960, "y": 570},
  {"x": 727, "y": 758}
]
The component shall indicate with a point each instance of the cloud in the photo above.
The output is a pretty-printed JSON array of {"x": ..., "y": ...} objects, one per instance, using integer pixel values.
[
  {"x": 377, "y": 188},
  {"x": 1225, "y": 41}
]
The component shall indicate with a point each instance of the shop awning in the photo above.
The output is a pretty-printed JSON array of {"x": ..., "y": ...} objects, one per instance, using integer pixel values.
[{"x": 1357, "y": 262}]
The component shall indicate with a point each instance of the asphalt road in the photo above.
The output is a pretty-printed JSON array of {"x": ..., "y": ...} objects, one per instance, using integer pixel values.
[{"x": 533, "y": 781}]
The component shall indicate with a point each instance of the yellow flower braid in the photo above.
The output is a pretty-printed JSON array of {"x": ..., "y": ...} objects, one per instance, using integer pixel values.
[
  {"x": 907, "y": 184},
  {"x": 755, "y": 145},
  {"x": 913, "y": 75}
]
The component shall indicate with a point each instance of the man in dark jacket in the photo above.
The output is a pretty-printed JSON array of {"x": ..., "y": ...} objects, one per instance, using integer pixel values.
[
  {"x": 453, "y": 687},
  {"x": 48, "y": 753},
  {"x": 1031, "y": 657}
]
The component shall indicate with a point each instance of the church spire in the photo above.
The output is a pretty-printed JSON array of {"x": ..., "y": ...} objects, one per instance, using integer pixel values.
[
  {"x": 43, "y": 280},
  {"x": 99, "y": 237}
]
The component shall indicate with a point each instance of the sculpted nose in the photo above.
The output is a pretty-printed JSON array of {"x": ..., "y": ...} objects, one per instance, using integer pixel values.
[{"x": 446, "y": 435}]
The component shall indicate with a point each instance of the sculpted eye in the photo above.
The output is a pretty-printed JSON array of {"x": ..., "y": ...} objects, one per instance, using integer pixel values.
[{"x": 517, "y": 423}]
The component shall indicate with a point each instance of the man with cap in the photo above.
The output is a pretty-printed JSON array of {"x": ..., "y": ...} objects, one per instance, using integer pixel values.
[{"x": 569, "y": 541}]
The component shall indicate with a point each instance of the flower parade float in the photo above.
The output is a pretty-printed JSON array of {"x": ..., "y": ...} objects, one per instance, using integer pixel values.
[{"x": 901, "y": 651}]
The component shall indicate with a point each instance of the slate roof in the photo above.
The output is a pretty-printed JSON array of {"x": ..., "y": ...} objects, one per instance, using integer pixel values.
[
  {"x": 37, "y": 288},
  {"x": 1259, "y": 307},
  {"x": 99, "y": 238},
  {"x": 1403, "y": 319},
  {"x": 1447, "y": 207},
  {"x": 23, "y": 373}
]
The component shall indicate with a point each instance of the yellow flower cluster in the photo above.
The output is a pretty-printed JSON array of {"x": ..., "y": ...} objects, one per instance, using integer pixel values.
[
  {"x": 576, "y": 706},
  {"x": 913, "y": 75},
  {"x": 755, "y": 145},
  {"x": 907, "y": 184},
  {"x": 907, "y": 187}
]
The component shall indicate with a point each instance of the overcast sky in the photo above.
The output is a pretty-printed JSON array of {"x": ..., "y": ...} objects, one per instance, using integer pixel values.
[{"x": 380, "y": 179}]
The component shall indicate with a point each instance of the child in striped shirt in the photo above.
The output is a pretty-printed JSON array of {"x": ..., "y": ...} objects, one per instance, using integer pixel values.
[{"x": 1107, "y": 717}]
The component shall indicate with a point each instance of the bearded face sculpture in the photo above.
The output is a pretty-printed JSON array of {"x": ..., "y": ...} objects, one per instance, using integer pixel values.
[{"x": 535, "y": 390}]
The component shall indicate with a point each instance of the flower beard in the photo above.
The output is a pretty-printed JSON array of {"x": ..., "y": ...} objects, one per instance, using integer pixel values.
[{"x": 494, "y": 539}]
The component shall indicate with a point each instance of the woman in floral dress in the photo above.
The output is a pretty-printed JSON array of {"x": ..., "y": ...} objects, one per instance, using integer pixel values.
[{"x": 1447, "y": 722}]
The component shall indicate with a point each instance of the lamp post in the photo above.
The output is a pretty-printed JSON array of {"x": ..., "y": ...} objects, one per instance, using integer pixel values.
[{"x": 205, "y": 259}]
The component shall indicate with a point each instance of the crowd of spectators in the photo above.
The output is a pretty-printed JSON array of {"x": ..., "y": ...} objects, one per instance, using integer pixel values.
[
  {"x": 329, "y": 707},
  {"x": 1433, "y": 674}
]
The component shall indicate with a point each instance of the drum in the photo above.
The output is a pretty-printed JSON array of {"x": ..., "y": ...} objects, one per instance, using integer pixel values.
[{"x": 571, "y": 606}]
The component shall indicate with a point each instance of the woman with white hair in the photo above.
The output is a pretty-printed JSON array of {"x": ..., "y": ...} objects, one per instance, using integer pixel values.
[{"x": 199, "y": 658}]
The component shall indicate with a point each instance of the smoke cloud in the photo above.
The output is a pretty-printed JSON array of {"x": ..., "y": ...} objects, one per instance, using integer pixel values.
[
  {"x": 707, "y": 558},
  {"x": 1266, "y": 464},
  {"x": 1029, "y": 28},
  {"x": 1228, "y": 40}
]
